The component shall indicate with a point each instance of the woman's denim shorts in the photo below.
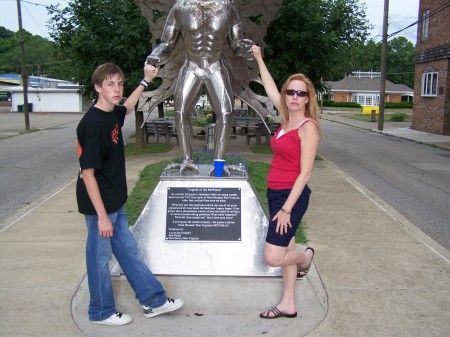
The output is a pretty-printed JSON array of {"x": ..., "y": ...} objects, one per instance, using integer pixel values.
[{"x": 276, "y": 199}]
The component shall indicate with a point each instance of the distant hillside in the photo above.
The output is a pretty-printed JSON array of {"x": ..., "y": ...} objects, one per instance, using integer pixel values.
[{"x": 41, "y": 57}]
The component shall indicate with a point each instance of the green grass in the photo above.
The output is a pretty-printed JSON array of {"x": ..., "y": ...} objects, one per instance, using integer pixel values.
[
  {"x": 149, "y": 178},
  {"x": 257, "y": 171},
  {"x": 130, "y": 150},
  {"x": 358, "y": 110},
  {"x": 368, "y": 118},
  {"x": 261, "y": 149}
]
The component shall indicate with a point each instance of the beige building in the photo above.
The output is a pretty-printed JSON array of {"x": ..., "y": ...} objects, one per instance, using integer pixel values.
[{"x": 363, "y": 87}]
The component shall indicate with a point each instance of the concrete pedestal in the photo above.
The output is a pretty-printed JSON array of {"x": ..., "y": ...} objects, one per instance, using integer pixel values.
[{"x": 190, "y": 253}]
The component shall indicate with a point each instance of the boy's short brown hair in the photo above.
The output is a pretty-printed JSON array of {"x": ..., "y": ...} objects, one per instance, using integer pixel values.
[{"x": 105, "y": 71}]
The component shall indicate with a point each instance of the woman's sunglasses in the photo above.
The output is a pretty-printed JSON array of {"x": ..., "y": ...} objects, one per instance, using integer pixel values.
[{"x": 299, "y": 93}]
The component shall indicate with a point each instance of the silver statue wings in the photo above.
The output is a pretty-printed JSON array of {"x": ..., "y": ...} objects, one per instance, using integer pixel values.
[{"x": 255, "y": 16}]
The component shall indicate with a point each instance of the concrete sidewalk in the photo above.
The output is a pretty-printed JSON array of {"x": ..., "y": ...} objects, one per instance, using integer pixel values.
[
  {"x": 375, "y": 274},
  {"x": 13, "y": 123},
  {"x": 396, "y": 129}
]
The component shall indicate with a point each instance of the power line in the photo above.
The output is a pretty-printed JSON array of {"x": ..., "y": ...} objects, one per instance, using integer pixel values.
[
  {"x": 442, "y": 7},
  {"x": 29, "y": 2},
  {"x": 33, "y": 3},
  {"x": 32, "y": 18}
]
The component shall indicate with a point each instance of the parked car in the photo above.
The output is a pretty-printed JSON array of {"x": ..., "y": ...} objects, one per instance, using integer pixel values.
[{"x": 203, "y": 103}]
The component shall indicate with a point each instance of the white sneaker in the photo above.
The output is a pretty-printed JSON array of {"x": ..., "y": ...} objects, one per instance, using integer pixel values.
[
  {"x": 170, "y": 305},
  {"x": 115, "y": 319}
]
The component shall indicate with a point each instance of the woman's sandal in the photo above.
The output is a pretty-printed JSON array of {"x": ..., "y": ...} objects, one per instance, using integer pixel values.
[
  {"x": 302, "y": 271},
  {"x": 276, "y": 313}
]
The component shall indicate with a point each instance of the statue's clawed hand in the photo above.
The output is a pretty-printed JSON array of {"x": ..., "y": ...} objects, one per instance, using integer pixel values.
[{"x": 153, "y": 60}]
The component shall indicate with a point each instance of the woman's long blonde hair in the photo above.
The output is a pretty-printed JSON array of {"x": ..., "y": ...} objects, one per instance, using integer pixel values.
[{"x": 310, "y": 107}]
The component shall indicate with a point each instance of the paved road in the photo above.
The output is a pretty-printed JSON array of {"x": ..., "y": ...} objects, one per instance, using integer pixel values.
[
  {"x": 36, "y": 164},
  {"x": 412, "y": 178},
  {"x": 33, "y": 165}
]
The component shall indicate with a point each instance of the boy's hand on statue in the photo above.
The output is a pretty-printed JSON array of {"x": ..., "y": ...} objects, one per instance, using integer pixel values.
[
  {"x": 150, "y": 72},
  {"x": 256, "y": 51}
]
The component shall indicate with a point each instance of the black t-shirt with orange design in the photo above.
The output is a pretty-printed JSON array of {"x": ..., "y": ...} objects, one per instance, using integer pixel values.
[{"x": 100, "y": 147}]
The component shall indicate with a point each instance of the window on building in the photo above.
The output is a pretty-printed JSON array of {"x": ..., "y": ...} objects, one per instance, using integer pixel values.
[
  {"x": 366, "y": 99},
  {"x": 429, "y": 84},
  {"x": 425, "y": 24}
]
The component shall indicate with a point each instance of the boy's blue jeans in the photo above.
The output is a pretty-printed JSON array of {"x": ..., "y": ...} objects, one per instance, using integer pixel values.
[{"x": 122, "y": 244}]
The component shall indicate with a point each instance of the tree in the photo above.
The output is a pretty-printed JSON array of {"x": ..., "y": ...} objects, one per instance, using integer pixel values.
[
  {"x": 92, "y": 32},
  {"x": 400, "y": 61},
  {"x": 40, "y": 54},
  {"x": 315, "y": 37},
  {"x": 367, "y": 56}
]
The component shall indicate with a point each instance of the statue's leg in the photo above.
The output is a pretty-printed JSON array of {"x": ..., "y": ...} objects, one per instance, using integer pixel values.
[
  {"x": 186, "y": 93},
  {"x": 219, "y": 89}
]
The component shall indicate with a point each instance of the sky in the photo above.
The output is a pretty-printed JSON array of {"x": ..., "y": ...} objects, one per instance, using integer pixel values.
[{"x": 402, "y": 13}]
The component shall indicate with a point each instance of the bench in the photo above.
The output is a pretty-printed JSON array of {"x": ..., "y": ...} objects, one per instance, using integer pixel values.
[
  {"x": 261, "y": 130},
  {"x": 161, "y": 127},
  {"x": 245, "y": 123},
  {"x": 149, "y": 130},
  {"x": 240, "y": 112}
]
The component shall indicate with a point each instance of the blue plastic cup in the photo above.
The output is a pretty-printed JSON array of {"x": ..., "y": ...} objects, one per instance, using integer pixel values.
[{"x": 218, "y": 167}]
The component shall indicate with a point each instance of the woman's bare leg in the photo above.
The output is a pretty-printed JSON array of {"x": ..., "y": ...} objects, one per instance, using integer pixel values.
[{"x": 287, "y": 258}]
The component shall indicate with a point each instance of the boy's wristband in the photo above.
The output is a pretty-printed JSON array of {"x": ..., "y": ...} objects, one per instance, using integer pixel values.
[{"x": 144, "y": 83}]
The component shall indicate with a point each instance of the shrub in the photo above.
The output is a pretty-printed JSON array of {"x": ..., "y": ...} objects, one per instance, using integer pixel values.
[
  {"x": 401, "y": 105},
  {"x": 328, "y": 103},
  {"x": 346, "y": 104},
  {"x": 325, "y": 103},
  {"x": 398, "y": 117}
]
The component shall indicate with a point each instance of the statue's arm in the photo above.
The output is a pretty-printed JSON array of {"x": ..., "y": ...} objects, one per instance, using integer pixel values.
[
  {"x": 241, "y": 47},
  {"x": 169, "y": 39}
]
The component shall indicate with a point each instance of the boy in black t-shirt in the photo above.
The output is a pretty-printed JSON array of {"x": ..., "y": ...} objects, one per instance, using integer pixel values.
[{"x": 101, "y": 194}]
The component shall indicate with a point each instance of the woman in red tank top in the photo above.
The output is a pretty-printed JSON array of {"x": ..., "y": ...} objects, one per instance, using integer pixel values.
[{"x": 294, "y": 146}]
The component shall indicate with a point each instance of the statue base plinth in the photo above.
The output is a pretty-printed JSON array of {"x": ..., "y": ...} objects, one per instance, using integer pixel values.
[{"x": 195, "y": 224}]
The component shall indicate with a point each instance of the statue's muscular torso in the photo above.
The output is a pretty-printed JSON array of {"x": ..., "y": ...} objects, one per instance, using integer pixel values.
[{"x": 204, "y": 27}]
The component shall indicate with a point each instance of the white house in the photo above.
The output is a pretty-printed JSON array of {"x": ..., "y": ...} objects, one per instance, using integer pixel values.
[
  {"x": 65, "y": 98},
  {"x": 44, "y": 94}
]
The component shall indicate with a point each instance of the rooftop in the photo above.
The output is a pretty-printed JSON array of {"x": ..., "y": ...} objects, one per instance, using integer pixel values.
[{"x": 35, "y": 81}]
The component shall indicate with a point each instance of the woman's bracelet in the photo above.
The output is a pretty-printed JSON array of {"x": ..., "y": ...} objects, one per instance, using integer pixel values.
[
  {"x": 284, "y": 211},
  {"x": 144, "y": 83}
]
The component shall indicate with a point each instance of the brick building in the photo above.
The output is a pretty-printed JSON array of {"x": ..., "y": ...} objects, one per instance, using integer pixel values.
[
  {"x": 431, "y": 112},
  {"x": 363, "y": 87}
]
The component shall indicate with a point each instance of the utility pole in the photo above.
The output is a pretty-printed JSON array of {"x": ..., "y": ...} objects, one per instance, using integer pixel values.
[
  {"x": 383, "y": 65},
  {"x": 24, "y": 70}
]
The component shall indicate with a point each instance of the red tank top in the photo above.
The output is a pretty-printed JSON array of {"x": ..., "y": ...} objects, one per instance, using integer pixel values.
[{"x": 285, "y": 166}]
